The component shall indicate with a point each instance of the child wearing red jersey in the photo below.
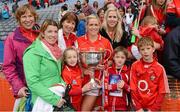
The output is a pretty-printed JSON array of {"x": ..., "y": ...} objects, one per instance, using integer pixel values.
[
  {"x": 117, "y": 82},
  {"x": 148, "y": 81},
  {"x": 72, "y": 74}
]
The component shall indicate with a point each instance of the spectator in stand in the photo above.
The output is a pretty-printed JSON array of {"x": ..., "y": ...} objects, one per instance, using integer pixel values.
[
  {"x": 42, "y": 3},
  {"x": 95, "y": 6},
  {"x": 5, "y": 11},
  {"x": 77, "y": 7},
  {"x": 6, "y": 7},
  {"x": 14, "y": 7},
  {"x": 129, "y": 17},
  {"x": 66, "y": 5},
  {"x": 63, "y": 9},
  {"x": 46, "y": 3},
  {"x": 134, "y": 5},
  {"x": 173, "y": 14},
  {"x": 14, "y": 47},
  {"x": 142, "y": 9},
  {"x": 108, "y": 5},
  {"x": 38, "y": 4},
  {"x": 122, "y": 3},
  {"x": 100, "y": 14},
  {"x": 112, "y": 28},
  {"x": 121, "y": 11},
  {"x": 109, "y": 1},
  {"x": 87, "y": 9},
  {"x": 157, "y": 9},
  {"x": 81, "y": 27},
  {"x": 68, "y": 25}
]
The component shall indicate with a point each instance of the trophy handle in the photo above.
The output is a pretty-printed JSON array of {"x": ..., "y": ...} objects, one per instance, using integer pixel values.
[{"x": 107, "y": 51}]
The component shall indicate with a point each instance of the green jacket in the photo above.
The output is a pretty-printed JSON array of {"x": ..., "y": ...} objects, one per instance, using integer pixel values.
[{"x": 41, "y": 72}]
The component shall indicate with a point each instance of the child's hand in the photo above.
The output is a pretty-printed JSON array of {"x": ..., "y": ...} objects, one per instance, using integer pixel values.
[{"x": 120, "y": 84}]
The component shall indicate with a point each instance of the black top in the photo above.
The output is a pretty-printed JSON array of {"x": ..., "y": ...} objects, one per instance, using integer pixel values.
[
  {"x": 125, "y": 41},
  {"x": 172, "y": 20},
  {"x": 172, "y": 53}
]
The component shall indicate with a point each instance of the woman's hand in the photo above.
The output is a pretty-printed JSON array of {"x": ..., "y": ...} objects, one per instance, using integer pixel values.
[
  {"x": 23, "y": 92},
  {"x": 120, "y": 84},
  {"x": 88, "y": 71},
  {"x": 100, "y": 67},
  {"x": 61, "y": 103}
]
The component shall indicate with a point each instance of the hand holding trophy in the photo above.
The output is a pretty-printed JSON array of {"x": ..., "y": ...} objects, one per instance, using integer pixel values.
[{"x": 93, "y": 59}]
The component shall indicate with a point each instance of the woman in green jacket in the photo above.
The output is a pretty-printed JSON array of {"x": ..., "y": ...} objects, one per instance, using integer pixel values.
[{"x": 42, "y": 64}]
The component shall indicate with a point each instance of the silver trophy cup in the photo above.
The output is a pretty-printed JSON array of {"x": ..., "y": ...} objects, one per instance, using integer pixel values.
[{"x": 91, "y": 59}]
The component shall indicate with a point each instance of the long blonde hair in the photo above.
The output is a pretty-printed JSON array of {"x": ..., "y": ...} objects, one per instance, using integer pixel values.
[{"x": 118, "y": 28}]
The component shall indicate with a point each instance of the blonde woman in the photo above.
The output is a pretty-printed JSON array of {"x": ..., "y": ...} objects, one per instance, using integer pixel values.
[
  {"x": 112, "y": 28},
  {"x": 93, "y": 40}
]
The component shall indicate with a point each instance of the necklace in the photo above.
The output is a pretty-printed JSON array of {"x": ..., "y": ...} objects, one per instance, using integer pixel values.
[{"x": 111, "y": 35}]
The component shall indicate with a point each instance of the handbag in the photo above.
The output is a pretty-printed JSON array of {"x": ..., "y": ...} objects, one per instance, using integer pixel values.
[{"x": 67, "y": 106}]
